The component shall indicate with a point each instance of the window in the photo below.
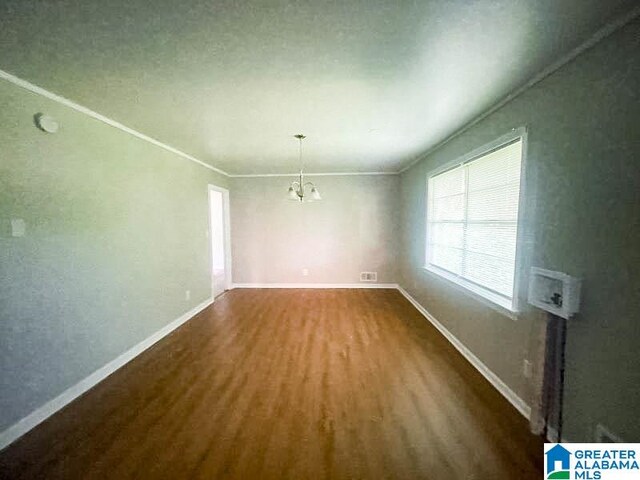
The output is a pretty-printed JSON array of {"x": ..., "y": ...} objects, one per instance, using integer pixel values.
[{"x": 472, "y": 222}]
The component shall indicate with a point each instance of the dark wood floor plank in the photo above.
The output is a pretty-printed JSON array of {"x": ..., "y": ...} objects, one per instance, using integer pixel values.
[{"x": 299, "y": 384}]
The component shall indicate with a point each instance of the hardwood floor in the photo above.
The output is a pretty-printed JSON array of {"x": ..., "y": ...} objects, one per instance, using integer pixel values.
[{"x": 300, "y": 384}]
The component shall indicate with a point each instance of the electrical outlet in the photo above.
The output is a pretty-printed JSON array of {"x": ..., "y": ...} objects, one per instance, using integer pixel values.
[
  {"x": 527, "y": 369},
  {"x": 187, "y": 294},
  {"x": 305, "y": 272}
]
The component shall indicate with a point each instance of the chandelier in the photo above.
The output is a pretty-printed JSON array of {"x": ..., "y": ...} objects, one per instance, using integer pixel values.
[{"x": 297, "y": 189}]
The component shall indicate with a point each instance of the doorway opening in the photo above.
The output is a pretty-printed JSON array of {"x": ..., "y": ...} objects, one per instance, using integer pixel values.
[{"x": 220, "y": 240}]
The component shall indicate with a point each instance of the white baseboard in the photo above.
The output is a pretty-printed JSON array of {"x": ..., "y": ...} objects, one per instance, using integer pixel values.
[
  {"x": 493, "y": 379},
  {"x": 39, "y": 415},
  {"x": 27, "y": 423},
  {"x": 315, "y": 285}
]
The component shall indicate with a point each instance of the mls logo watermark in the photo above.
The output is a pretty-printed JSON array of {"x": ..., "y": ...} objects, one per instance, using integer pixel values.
[
  {"x": 592, "y": 461},
  {"x": 557, "y": 462}
]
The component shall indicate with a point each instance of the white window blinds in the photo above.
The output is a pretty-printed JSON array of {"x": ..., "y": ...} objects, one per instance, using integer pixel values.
[{"x": 472, "y": 222}]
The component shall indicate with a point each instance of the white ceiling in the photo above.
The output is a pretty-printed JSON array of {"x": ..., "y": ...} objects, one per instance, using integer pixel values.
[{"x": 371, "y": 83}]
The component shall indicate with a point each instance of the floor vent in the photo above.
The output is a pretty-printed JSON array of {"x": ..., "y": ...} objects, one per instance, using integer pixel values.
[{"x": 368, "y": 276}]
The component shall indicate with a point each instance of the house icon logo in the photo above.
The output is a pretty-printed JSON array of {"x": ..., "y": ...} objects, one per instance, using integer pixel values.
[{"x": 558, "y": 462}]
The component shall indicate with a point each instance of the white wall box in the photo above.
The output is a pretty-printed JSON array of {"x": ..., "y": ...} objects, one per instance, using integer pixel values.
[{"x": 554, "y": 292}]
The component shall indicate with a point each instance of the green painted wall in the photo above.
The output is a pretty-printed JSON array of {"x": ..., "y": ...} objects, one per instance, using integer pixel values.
[
  {"x": 353, "y": 229},
  {"x": 582, "y": 217},
  {"x": 116, "y": 232}
]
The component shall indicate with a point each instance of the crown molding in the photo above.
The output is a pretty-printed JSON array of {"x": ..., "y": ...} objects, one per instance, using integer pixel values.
[
  {"x": 602, "y": 33},
  {"x": 97, "y": 116},
  {"x": 599, "y": 35},
  {"x": 113, "y": 123},
  {"x": 326, "y": 174}
]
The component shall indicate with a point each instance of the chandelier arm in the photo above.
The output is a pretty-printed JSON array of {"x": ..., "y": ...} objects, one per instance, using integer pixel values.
[{"x": 309, "y": 183}]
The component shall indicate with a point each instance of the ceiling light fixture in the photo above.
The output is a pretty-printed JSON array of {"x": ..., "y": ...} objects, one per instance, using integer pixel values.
[{"x": 298, "y": 187}]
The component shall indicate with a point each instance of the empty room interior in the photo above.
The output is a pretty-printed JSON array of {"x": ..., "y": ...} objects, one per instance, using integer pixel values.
[{"x": 306, "y": 240}]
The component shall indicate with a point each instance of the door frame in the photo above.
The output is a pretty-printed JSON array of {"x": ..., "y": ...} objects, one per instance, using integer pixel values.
[{"x": 226, "y": 219}]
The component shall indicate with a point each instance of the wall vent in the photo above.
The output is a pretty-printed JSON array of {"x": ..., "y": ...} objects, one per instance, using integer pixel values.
[{"x": 368, "y": 276}]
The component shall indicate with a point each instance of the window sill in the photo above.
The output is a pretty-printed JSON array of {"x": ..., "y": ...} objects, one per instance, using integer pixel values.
[{"x": 488, "y": 298}]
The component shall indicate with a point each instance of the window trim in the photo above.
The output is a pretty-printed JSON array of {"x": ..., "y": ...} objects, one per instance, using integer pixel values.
[{"x": 483, "y": 294}]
